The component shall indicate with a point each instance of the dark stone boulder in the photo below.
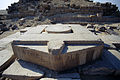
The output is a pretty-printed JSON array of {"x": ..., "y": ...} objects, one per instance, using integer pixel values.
[
  {"x": 3, "y": 27},
  {"x": 14, "y": 27},
  {"x": 102, "y": 29}
]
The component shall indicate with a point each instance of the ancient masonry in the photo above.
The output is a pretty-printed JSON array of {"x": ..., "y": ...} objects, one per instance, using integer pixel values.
[
  {"x": 58, "y": 47},
  {"x": 64, "y": 10},
  {"x": 36, "y": 52},
  {"x": 59, "y": 51}
]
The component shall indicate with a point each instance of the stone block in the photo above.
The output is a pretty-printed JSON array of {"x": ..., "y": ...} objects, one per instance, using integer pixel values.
[
  {"x": 21, "y": 70},
  {"x": 55, "y": 46},
  {"x": 6, "y": 58}
]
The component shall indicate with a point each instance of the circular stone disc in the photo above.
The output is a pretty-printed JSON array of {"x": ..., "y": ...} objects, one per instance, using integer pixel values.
[{"x": 58, "y": 29}]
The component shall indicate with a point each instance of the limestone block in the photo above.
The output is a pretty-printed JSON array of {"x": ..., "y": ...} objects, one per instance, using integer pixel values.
[
  {"x": 58, "y": 29},
  {"x": 21, "y": 70},
  {"x": 99, "y": 14},
  {"x": 89, "y": 26},
  {"x": 55, "y": 46},
  {"x": 6, "y": 58}
]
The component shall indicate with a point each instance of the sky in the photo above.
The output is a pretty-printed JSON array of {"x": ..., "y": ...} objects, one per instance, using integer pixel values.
[
  {"x": 117, "y": 2},
  {"x": 5, "y": 3}
]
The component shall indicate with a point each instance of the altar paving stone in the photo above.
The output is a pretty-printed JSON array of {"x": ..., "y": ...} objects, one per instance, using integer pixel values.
[
  {"x": 6, "y": 58},
  {"x": 21, "y": 70}
]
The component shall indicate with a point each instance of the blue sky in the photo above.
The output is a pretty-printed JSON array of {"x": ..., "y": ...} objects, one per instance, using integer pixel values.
[
  {"x": 117, "y": 2},
  {"x": 5, "y": 3}
]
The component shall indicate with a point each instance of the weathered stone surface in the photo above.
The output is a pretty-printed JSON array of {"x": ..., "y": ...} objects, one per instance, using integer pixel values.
[
  {"x": 81, "y": 47},
  {"x": 67, "y": 75},
  {"x": 55, "y": 46},
  {"x": 21, "y": 70},
  {"x": 113, "y": 57},
  {"x": 58, "y": 79},
  {"x": 89, "y": 26},
  {"x": 58, "y": 29},
  {"x": 79, "y": 34},
  {"x": 100, "y": 67},
  {"x": 109, "y": 40},
  {"x": 99, "y": 14},
  {"x": 6, "y": 58},
  {"x": 14, "y": 27},
  {"x": 98, "y": 71}
]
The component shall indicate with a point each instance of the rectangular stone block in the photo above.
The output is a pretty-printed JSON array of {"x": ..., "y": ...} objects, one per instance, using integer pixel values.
[
  {"x": 57, "y": 62},
  {"x": 21, "y": 70},
  {"x": 6, "y": 58}
]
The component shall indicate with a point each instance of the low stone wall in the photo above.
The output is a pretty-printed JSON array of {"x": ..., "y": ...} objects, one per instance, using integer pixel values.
[
  {"x": 21, "y": 15},
  {"x": 85, "y": 19},
  {"x": 81, "y": 10}
]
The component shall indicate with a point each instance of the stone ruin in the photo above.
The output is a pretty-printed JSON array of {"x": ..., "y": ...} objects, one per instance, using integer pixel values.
[
  {"x": 58, "y": 47},
  {"x": 27, "y": 13},
  {"x": 64, "y": 10},
  {"x": 44, "y": 51}
]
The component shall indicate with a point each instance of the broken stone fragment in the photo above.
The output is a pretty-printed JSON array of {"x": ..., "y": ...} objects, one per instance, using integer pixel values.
[
  {"x": 89, "y": 26},
  {"x": 55, "y": 46},
  {"x": 21, "y": 70},
  {"x": 99, "y": 14}
]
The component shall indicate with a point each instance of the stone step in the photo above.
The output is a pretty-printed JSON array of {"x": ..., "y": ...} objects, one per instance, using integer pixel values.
[{"x": 21, "y": 70}]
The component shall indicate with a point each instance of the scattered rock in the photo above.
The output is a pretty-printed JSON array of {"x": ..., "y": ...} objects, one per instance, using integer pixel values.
[
  {"x": 102, "y": 29},
  {"x": 3, "y": 27},
  {"x": 14, "y": 27},
  {"x": 99, "y": 14},
  {"x": 89, "y": 26},
  {"x": 22, "y": 20}
]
